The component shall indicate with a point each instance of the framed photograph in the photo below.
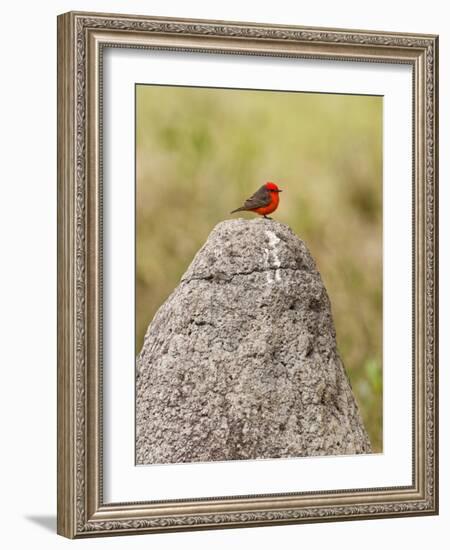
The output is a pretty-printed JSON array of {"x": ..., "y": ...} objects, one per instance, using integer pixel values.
[{"x": 247, "y": 274}]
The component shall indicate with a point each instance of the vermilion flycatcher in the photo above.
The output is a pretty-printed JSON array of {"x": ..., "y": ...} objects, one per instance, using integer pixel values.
[{"x": 264, "y": 201}]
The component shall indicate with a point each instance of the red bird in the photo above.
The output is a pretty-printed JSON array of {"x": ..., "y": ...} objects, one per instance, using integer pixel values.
[{"x": 263, "y": 202}]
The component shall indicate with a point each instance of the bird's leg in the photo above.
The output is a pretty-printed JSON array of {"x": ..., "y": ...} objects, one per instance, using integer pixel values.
[{"x": 267, "y": 217}]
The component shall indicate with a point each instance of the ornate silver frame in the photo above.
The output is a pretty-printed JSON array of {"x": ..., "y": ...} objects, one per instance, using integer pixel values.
[{"x": 81, "y": 39}]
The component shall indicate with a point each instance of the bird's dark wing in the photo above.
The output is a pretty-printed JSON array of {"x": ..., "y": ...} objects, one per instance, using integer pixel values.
[{"x": 258, "y": 199}]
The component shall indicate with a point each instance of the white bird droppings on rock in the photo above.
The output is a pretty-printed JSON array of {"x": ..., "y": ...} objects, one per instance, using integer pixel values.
[{"x": 273, "y": 242}]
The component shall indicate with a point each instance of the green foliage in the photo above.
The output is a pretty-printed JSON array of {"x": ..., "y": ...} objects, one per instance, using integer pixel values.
[{"x": 201, "y": 152}]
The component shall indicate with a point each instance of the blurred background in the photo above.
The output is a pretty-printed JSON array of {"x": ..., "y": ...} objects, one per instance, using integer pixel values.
[{"x": 201, "y": 152}]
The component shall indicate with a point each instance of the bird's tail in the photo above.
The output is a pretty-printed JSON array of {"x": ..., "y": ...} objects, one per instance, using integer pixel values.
[{"x": 238, "y": 210}]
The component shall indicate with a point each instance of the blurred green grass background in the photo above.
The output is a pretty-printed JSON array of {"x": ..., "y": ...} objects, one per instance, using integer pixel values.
[{"x": 200, "y": 152}]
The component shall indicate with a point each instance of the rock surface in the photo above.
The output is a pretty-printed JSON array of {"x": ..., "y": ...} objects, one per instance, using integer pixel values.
[{"x": 241, "y": 362}]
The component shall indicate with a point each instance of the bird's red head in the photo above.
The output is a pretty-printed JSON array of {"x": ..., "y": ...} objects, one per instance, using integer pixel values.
[{"x": 273, "y": 187}]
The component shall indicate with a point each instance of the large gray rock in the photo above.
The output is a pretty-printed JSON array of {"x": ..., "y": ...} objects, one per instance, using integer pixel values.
[{"x": 241, "y": 362}]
